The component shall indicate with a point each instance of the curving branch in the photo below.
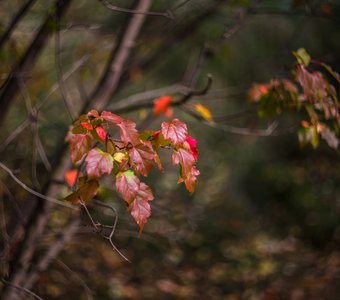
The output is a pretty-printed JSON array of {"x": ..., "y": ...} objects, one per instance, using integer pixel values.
[{"x": 167, "y": 14}]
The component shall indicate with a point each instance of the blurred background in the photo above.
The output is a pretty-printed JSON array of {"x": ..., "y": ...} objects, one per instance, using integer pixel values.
[{"x": 263, "y": 222}]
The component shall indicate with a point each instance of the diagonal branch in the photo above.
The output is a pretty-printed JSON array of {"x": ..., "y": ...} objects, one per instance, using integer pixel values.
[{"x": 28, "y": 60}]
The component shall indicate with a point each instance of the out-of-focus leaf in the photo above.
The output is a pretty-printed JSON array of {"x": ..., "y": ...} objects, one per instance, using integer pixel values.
[
  {"x": 98, "y": 163},
  {"x": 162, "y": 105},
  {"x": 302, "y": 56},
  {"x": 71, "y": 177},
  {"x": 204, "y": 112}
]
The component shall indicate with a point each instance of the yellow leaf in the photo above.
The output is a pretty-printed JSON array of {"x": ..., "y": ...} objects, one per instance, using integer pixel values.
[
  {"x": 204, "y": 112},
  {"x": 119, "y": 157}
]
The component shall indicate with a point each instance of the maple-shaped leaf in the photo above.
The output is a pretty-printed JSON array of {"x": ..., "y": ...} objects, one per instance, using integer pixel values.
[
  {"x": 80, "y": 145},
  {"x": 128, "y": 131},
  {"x": 98, "y": 163},
  {"x": 85, "y": 193},
  {"x": 176, "y": 131},
  {"x": 162, "y": 105},
  {"x": 71, "y": 177},
  {"x": 110, "y": 117},
  {"x": 101, "y": 133},
  {"x": 188, "y": 172},
  {"x": 127, "y": 184},
  {"x": 141, "y": 157},
  {"x": 140, "y": 208}
]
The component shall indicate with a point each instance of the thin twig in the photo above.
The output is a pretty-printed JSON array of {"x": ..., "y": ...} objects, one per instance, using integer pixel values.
[
  {"x": 77, "y": 277},
  {"x": 97, "y": 226},
  {"x": 167, "y": 14},
  {"x": 58, "y": 64},
  {"x": 79, "y": 63},
  {"x": 35, "y": 193},
  {"x": 233, "y": 129},
  {"x": 21, "y": 289}
]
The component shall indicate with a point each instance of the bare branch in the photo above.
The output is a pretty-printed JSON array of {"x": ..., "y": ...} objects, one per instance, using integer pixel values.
[
  {"x": 15, "y": 20},
  {"x": 76, "y": 277},
  {"x": 21, "y": 289},
  {"x": 52, "y": 252},
  {"x": 98, "y": 226},
  {"x": 114, "y": 70},
  {"x": 28, "y": 60},
  {"x": 35, "y": 193},
  {"x": 167, "y": 14}
]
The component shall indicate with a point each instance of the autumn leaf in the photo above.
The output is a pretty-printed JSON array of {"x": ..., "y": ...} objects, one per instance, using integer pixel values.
[
  {"x": 110, "y": 117},
  {"x": 127, "y": 184},
  {"x": 162, "y": 105},
  {"x": 204, "y": 112},
  {"x": 98, "y": 163},
  {"x": 140, "y": 208},
  {"x": 193, "y": 146},
  {"x": 85, "y": 193},
  {"x": 101, "y": 133},
  {"x": 80, "y": 144},
  {"x": 141, "y": 157},
  {"x": 188, "y": 172},
  {"x": 86, "y": 125},
  {"x": 128, "y": 131},
  {"x": 175, "y": 131},
  {"x": 71, "y": 177}
]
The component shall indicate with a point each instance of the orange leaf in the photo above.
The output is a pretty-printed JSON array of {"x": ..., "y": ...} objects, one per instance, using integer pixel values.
[
  {"x": 71, "y": 177},
  {"x": 204, "y": 112},
  {"x": 162, "y": 105}
]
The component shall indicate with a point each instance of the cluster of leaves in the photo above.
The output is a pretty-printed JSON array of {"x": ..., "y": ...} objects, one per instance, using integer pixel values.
[
  {"x": 310, "y": 91},
  {"x": 127, "y": 158}
]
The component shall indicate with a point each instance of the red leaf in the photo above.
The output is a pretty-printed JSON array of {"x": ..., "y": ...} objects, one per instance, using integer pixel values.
[
  {"x": 140, "y": 208},
  {"x": 175, "y": 131},
  {"x": 141, "y": 211},
  {"x": 128, "y": 131},
  {"x": 80, "y": 144},
  {"x": 188, "y": 171},
  {"x": 142, "y": 156},
  {"x": 110, "y": 117},
  {"x": 87, "y": 125},
  {"x": 127, "y": 184},
  {"x": 193, "y": 146},
  {"x": 101, "y": 133},
  {"x": 162, "y": 105},
  {"x": 71, "y": 177},
  {"x": 98, "y": 163}
]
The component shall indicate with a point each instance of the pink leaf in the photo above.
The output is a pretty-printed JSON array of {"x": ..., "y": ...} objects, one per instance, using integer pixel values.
[
  {"x": 98, "y": 163},
  {"x": 175, "y": 131}
]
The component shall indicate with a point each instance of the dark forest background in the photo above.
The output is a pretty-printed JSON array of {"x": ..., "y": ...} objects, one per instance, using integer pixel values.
[{"x": 263, "y": 222}]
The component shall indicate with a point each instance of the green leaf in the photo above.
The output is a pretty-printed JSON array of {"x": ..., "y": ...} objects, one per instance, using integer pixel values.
[{"x": 302, "y": 56}]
